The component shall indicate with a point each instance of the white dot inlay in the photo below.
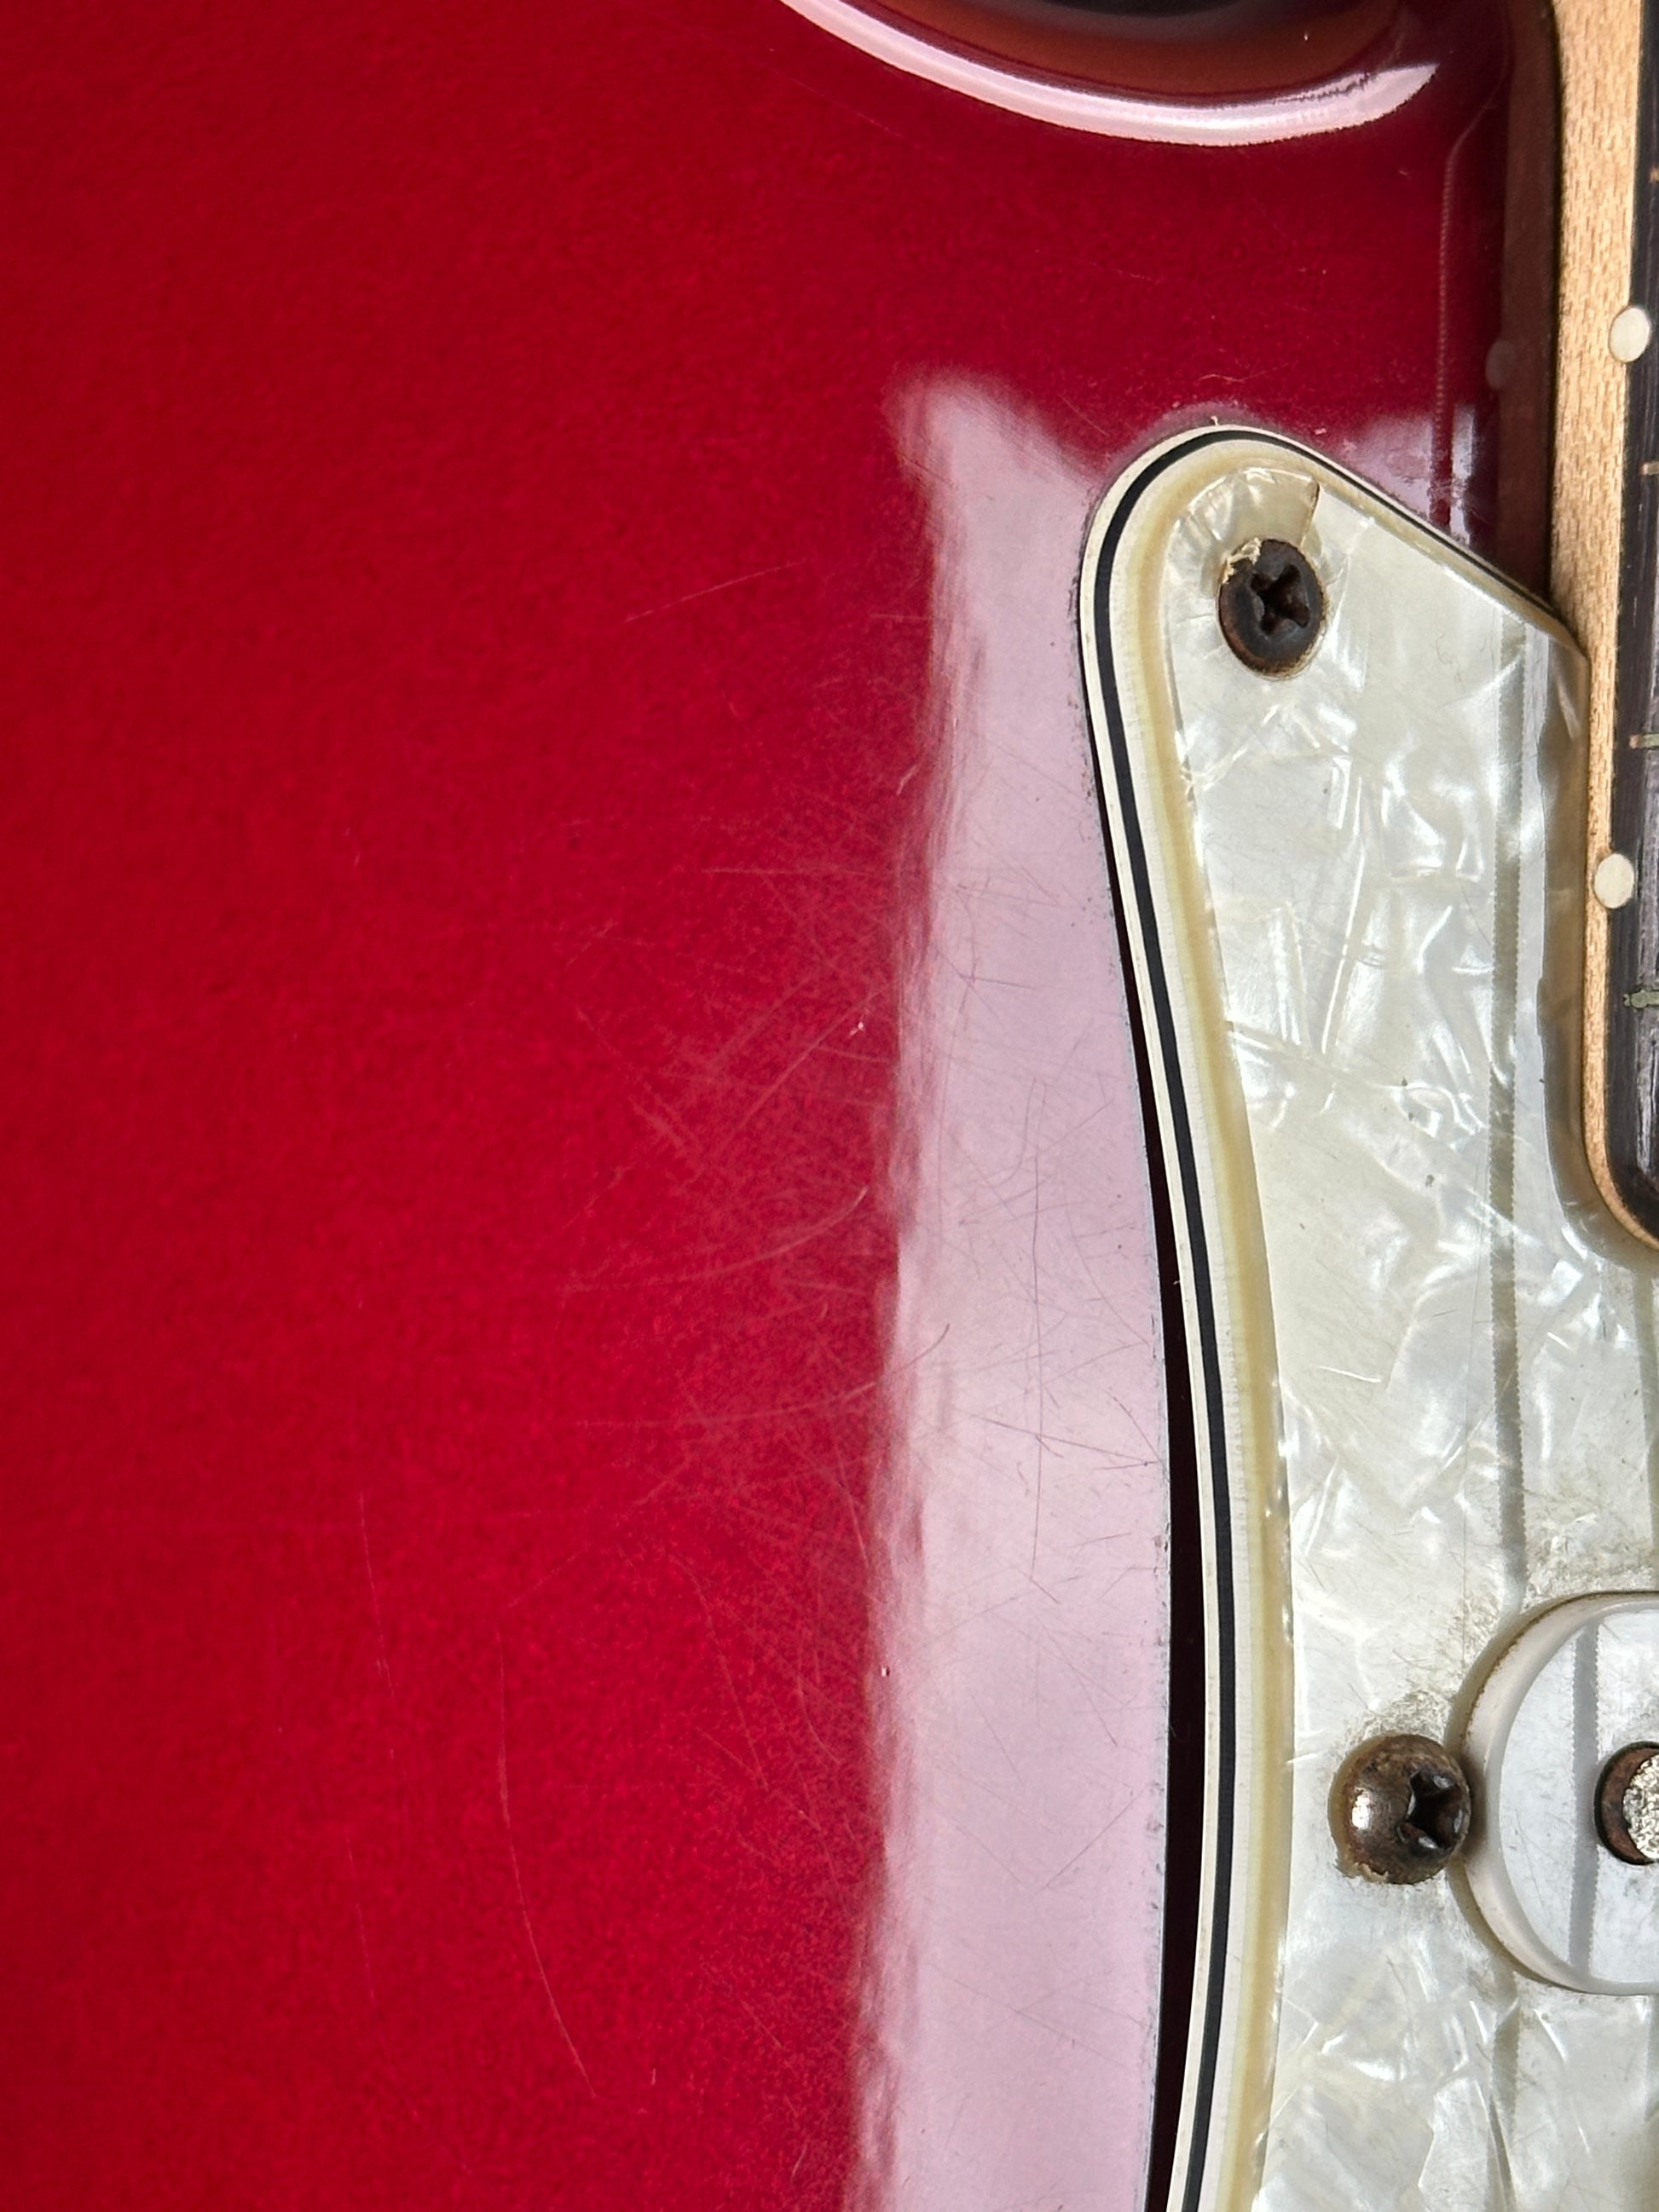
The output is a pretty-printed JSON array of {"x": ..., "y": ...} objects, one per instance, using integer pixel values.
[
  {"x": 1614, "y": 882},
  {"x": 1631, "y": 333}
]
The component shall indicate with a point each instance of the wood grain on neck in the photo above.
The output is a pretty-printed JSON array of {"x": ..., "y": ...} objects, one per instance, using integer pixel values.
[{"x": 1600, "y": 59}]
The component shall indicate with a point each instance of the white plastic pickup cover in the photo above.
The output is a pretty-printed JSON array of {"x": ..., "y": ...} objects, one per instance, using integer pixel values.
[{"x": 1424, "y": 1378}]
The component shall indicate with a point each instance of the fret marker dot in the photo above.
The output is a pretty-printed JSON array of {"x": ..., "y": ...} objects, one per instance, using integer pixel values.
[
  {"x": 1614, "y": 882},
  {"x": 1631, "y": 334}
]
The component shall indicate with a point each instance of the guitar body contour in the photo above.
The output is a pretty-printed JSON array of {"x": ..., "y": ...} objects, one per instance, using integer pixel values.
[{"x": 619, "y": 1590}]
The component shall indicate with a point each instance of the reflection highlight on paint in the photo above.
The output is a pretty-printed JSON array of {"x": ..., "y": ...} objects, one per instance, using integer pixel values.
[{"x": 1013, "y": 1990}]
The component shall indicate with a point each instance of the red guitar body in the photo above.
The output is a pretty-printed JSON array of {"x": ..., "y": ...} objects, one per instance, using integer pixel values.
[{"x": 493, "y": 497}]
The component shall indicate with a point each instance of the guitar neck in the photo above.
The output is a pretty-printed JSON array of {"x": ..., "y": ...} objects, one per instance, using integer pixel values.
[{"x": 1605, "y": 559}]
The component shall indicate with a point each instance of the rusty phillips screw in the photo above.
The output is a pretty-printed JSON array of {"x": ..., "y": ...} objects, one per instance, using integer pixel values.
[
  {"x": 1399, "y": 1810},
  {"x": 1270, "y": 605}
]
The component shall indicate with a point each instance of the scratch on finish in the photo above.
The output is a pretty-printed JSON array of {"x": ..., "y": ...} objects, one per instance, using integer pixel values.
[
  {"x": 375, "y": 2013},
  {"x": 708, "y": 591},
  {"x": 523, "y": 1903},
  {"x": 730, "y": 1680},
  {"x": 382, "y": 1662}
]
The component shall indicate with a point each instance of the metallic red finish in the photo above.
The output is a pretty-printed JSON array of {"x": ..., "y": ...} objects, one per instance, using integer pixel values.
[{"x": 473, "y": 764}]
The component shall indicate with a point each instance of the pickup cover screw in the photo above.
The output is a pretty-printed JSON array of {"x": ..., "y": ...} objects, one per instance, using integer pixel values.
[
  {"x": 1399, "y": 1811},
  {"x": 1270, "y": 605},
  {"x": 1627, "y": 1804}
]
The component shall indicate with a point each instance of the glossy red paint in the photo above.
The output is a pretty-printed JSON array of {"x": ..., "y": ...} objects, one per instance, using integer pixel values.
[{"x": 473, "y": 772}]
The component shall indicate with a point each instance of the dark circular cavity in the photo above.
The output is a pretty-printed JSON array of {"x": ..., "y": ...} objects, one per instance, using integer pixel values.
[{"x": 1627, "y": 1804}]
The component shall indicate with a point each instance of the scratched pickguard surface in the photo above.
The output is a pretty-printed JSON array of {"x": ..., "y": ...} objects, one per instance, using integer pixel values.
[{"x": 1424, "y": 1371}]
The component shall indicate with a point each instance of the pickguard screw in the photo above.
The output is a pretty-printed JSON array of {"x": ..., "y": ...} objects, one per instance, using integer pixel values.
[
  {"x": 1270, "y": 605},
  {"x": 1627, "y": 1804},
  {"x": 1401, "y": 1808}
]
